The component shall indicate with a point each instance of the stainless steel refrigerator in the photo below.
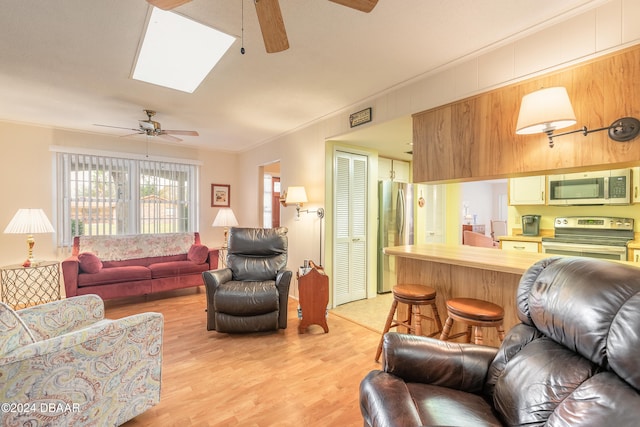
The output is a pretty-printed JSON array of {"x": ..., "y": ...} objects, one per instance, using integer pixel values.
[{"x": 395, "y": 227}]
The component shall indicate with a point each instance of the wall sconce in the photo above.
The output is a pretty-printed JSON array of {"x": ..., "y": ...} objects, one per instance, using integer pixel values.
[
  {"x": 225, "y": 218},
  {"x": 29, "y": 222},
  {"x": 549, "y": 109},
  {"x": 298, "y": 195}
]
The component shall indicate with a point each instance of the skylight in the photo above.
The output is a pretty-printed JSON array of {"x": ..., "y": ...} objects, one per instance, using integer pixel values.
[{"x": 177, "y": 52}]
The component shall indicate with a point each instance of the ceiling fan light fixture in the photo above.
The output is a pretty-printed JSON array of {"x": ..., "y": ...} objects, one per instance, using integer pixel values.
[{"x": 177, "y": 52}]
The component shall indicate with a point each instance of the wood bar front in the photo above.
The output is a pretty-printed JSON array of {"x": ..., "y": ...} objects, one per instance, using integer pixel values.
[{"x": 464, "y": 271}]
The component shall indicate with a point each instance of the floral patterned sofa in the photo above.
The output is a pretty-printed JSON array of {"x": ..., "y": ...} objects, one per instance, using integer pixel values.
[
  {"x": 63, "y": 364},
  {"x": 130, "y": 265}
]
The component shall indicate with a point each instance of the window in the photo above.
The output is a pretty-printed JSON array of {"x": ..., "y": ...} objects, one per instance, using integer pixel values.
[{"x": 101, "y": 195}]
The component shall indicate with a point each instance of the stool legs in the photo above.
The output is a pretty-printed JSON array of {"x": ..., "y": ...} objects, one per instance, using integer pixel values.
[
  {"x": 473, "y": 331},
  {"x": 387, "y": 326},
  {"x": 413, "y": 322}
]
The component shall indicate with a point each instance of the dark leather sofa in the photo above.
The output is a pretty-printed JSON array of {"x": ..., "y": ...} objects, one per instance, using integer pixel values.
[
  {"x": 252, "y": 293},
  {"x": 573, "y": 361}
]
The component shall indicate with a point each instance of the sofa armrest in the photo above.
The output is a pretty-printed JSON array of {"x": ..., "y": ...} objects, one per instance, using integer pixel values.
[
  {"x": 213, "y": 259},
  {"x": 420, "y": 359},
  {"x": 70, "y": 271},
  {"x": 60, "y": 317},
  {"x": 110, "y": 361},
  {"x": 283, "y": 282}
]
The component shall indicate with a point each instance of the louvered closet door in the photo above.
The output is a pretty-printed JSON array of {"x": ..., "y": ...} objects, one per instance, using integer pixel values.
[{"x": 350, "y": 239}]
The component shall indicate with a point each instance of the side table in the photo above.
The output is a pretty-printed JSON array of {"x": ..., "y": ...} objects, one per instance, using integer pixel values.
[
  {"x": 26, "y": 286},
  {"x": 313, "y": 290}
]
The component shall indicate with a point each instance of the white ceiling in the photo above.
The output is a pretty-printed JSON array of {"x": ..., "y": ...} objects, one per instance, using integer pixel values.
[{"x": 67, "y": 63}]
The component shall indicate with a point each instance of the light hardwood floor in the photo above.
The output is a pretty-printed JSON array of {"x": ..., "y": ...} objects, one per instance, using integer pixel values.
[{"x": 266, "y": 379}]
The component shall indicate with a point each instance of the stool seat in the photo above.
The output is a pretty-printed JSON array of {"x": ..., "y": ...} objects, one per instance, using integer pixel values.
[
  {"x": 414, "y": 296},
  {"x": 414, "y": 292},
  {"x": 475, "y": 309},
  {"x": 475, "y": 313}
]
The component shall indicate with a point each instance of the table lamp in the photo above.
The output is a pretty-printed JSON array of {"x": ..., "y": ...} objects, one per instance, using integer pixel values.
[
  {"x": 225, "y": 218},
  {"x": 30, "y": 222}
]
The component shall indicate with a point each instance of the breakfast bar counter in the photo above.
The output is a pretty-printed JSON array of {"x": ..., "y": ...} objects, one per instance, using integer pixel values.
[{"x": 456, "y": 271}]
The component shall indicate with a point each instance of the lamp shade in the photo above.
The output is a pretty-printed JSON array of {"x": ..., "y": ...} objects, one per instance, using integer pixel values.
[
  {"x": 29, "y": 221},
  {"x": 296, "y": 195},
  {"x": 225, "y": 218},
  {"x": 545, "y": 110}
]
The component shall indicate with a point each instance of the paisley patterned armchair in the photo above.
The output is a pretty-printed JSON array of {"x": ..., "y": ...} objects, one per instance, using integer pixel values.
[{"x": 63, "y": 363}]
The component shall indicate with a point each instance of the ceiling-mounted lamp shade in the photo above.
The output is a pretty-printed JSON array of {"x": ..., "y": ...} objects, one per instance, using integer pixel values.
[
  {"x": 225, "y": 218},
  {"x": 296, "y": 195},
  {"x": 545, "y": 110}
]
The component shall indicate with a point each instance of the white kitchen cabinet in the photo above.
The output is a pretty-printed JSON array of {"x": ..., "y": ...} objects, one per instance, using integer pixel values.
[
  {"x": 515, "y": 245},
  {"x": 635, "y": 186},
  {"x": 396, "y": 170},
  {"x": 528, "y": 190}
]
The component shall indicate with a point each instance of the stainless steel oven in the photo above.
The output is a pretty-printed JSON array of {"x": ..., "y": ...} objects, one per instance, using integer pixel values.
[{"x": 593, "y": 237}]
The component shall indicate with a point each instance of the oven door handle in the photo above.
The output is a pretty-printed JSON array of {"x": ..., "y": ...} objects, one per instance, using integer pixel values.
[{"x": 581, "y": 247}]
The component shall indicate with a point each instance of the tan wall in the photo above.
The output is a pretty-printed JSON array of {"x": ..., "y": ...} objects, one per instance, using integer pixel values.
[{"x": 27, "y": 170}]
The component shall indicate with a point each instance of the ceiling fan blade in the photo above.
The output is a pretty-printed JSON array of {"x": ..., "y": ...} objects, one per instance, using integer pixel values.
[
  {"x": 168, "y": 137},
  {"x": 272, "y": 25},
  {"x": 131, "y": 134},
  {"x": 167, "y": 4},
  {"x": 361, "y": 5},
  {"x": 181, "y": 132},
  {"x": 116, "y": 127}
]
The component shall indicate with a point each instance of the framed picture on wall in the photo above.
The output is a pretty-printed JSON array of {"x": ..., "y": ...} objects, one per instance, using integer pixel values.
[{"x": 220, "y": 195}]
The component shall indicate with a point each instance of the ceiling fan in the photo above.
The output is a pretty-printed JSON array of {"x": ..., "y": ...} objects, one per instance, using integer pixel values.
[
  {"x": 152, "y": 128},
  {"x": 270, "y": 18}
]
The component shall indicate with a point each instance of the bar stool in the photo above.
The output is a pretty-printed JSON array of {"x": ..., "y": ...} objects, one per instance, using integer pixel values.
[
  {"x": 476, "y": 314},
  {"x": 414, "y": 296}
]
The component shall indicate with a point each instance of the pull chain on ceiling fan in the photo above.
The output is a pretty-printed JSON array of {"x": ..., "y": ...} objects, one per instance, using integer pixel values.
[{"x": 272, "y": 27}]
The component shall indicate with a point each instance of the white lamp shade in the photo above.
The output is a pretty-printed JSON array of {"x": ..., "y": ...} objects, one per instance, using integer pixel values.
[
  {"x": 225, "y": 218},
  {"x": 29, "y": 221},
  {"x": 296, "y": 195},
  {"x": 545, "y": 110}
]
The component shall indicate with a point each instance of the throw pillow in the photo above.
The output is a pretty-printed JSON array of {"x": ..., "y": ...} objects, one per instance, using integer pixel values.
[
  {"x": 89, "y": 262},
  {"x": 198, "y": 254}
]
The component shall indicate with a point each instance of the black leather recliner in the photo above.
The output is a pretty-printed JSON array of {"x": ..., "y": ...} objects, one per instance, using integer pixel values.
[
  {"x": 573, "y": 361},
  {"x": 251, "y": 294}
]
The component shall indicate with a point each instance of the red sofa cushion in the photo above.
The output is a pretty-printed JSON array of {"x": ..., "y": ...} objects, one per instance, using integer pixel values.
[
  {"x": 115, "y": 275},
  {"x": 89, "y": 262},
  {"x": 176, "y": 268},
  {"x": 198, "y": 254}
]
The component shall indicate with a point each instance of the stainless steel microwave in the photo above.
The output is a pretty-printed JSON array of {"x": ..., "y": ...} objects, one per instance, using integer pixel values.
[{"x": 610, "y": 187}]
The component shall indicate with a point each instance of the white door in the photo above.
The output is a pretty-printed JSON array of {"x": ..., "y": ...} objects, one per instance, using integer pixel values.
[{"x": 350, "y": 239}]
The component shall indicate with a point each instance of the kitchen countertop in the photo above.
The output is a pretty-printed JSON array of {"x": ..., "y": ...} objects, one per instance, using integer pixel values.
[{"x": 469, "y": 256}]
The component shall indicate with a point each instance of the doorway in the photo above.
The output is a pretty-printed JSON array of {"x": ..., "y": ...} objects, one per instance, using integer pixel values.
[{"x": 271, "y": 195}]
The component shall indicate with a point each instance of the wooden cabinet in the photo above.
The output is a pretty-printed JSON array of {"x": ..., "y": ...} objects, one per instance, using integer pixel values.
[
  {"x": 395, "y": 170},
  {"x": 634, "y": 255},
  {"x": 474, "y": 138},
  {"x": 313, "y": 294},
  {"x": 528, "y": 190},
  {"x": 517, "y": 245}
]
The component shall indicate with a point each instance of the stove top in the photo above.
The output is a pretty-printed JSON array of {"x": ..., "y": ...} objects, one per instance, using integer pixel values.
[{"x": 610, "y": 231}]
